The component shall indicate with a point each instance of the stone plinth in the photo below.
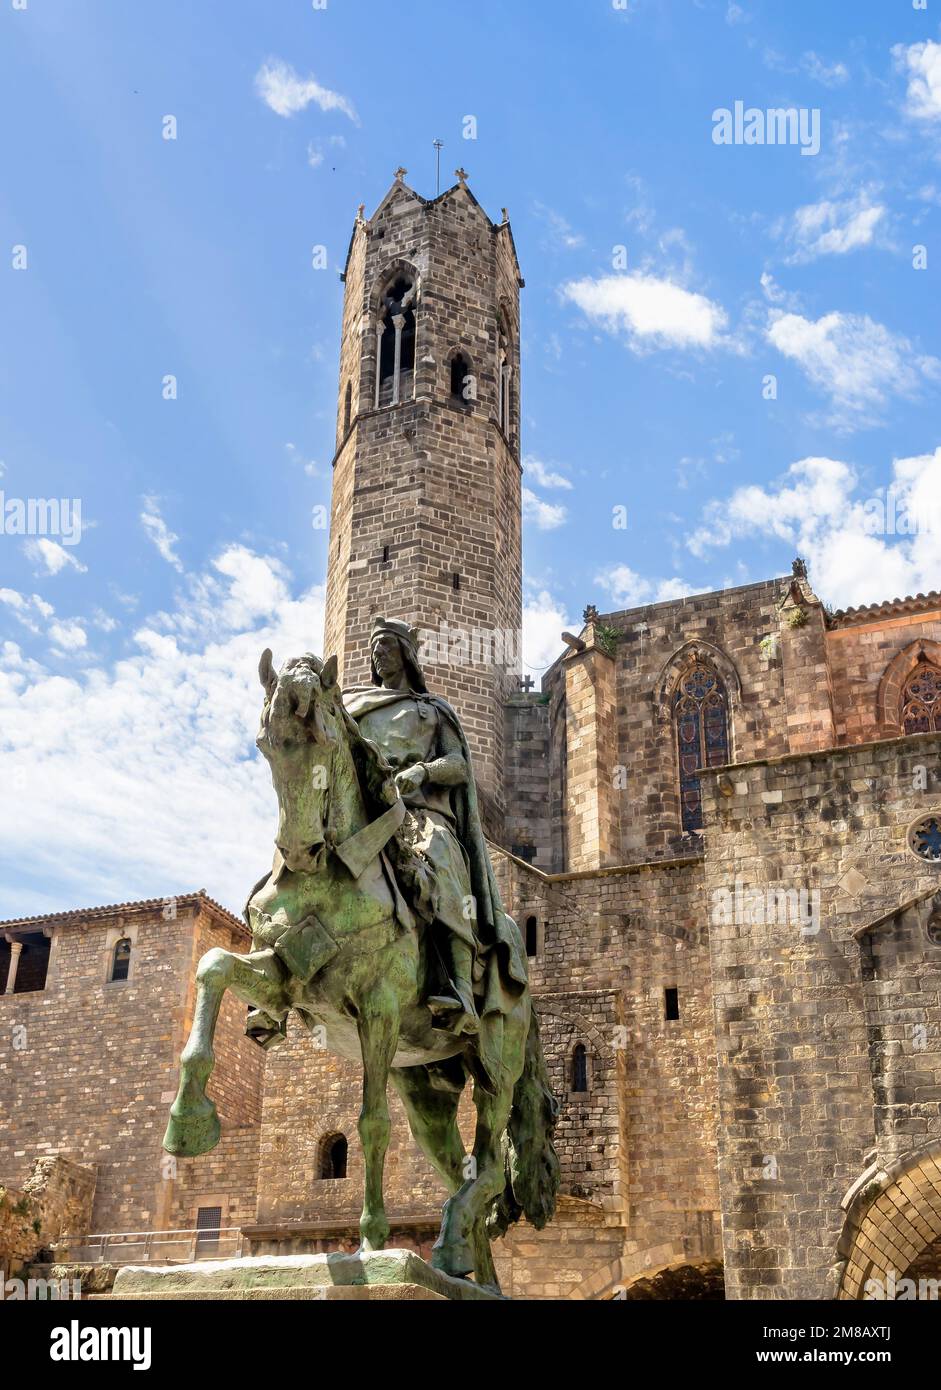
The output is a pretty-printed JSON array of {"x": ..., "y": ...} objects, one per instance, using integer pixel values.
[{"x": 382, "y": 1275}]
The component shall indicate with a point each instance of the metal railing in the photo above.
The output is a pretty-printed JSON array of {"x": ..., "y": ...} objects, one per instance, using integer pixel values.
[{"x": 150, "y": 1247}]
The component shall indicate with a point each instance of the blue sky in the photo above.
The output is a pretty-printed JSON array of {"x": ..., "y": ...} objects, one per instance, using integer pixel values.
[{"x": 127, "y": 688}]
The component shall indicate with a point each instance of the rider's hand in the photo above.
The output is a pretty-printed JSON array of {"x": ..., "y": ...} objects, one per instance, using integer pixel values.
[{"x": 410, "y": 779}]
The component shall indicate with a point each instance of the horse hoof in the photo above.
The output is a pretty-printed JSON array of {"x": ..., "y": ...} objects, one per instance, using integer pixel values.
[
  {"x": 453, "y": 1257},
  {"x": 192, "y": 1130}
]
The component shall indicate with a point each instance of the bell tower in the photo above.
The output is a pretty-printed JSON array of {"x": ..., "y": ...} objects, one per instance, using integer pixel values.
[{"x": 426, "y": 511}]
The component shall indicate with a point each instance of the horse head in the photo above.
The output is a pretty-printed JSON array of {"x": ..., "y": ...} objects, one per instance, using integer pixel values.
[{"x": 300, "y": 732}]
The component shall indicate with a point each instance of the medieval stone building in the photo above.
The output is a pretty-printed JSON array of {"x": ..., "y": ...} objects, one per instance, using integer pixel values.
[{"x": 718, "y": 824}]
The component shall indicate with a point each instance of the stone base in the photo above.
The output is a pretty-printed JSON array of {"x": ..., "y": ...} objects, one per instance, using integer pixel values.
[{"x": 382, "y": 1275}]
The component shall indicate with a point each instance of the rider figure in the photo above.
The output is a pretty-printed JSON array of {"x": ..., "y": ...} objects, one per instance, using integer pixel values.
[{"x": 422, "y": 739}]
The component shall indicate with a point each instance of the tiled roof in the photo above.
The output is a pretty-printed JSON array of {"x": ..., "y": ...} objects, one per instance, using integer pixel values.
[
  {"x": 890, "y": 608},
  {"x": 74, "y": 914}
]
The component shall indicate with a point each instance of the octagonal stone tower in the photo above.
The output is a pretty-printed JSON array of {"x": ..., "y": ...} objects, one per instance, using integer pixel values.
[{"x": 426, "y": 510}]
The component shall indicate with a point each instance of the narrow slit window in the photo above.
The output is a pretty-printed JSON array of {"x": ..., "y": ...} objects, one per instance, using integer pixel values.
[
  {"x": 671, "y": 1003},
  {"x": 532, "y": 937},
  {"x": 580, "y": 1068}
]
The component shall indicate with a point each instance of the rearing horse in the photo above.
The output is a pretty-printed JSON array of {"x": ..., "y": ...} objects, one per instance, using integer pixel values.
[{"x": 334, "y": 939}]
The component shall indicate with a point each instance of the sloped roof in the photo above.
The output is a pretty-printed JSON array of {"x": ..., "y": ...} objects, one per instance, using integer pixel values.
[
  {"x": 200, "y": 898},
  {"x": 888, "y": 608}
]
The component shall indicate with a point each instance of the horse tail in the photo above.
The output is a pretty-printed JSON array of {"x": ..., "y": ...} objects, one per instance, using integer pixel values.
[{"x": 532, "y": 1164}]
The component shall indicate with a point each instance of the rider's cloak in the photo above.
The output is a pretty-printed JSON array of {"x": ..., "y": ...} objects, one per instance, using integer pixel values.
[{"x": 500, "y": 948}]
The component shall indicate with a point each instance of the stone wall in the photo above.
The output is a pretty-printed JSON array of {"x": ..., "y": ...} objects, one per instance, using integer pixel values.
[
  {"x": 859, "y": 654},
  {"x": 56, "y": 1199},
  {"x": 90, "y": 1066},
  {"x": 793, "y": 1014}
]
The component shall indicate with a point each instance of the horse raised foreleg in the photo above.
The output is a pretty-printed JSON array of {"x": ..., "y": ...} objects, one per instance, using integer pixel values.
[
  {"x": 378, "y": 1026},
  {"x": 193, "y": 1127}
]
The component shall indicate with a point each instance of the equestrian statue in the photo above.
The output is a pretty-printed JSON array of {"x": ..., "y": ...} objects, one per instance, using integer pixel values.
[{"x": 381, "y": 926}]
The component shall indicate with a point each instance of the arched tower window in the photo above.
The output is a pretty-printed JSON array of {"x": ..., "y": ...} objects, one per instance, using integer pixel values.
[
  {"x": 701, "y": 717},
  {"x": 463, "y": 384},
  {"x": 348, "y": 408},
  {"x": 504, "y": 376},
  {"x": 121, "y": 960},
  {"x": 921, "y": 699},
  {"x": 396, "y": 347},
  {"x": 532, "y": 937},
  {"x": 333, "y": 1152},
  {"x": 580, "y": 1068}
]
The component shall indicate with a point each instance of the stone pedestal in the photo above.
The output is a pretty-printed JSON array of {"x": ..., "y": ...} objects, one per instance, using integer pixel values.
[{"x": 381, "y": 1276}]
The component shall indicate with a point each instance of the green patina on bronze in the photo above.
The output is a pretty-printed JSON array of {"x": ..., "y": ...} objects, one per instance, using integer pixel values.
[{"x": 381, "y": 924}]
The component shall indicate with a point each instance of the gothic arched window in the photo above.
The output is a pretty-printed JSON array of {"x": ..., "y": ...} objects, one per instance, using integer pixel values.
[
  {"x": 921, "y": 699},
  {"x": 396, "y": 342},
  {"x": 463, "y": 386},
  {"x": 121, "y": 960},
  {"x": 333, "y": 1151},
  {"x": 504, "y": 376},
  {"x": 701, "y": 716}
]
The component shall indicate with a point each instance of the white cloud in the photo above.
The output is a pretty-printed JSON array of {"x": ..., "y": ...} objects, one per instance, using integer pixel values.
[
  {"x": 628, "y": 589},
  {"x": 922, "y": 63},
  {"x": 68, "y": 636},
  {"x": 27, "y": 610},
  {"x": 52, "y": 556},
  {"x": 281, "y": 88},
  {"x": 546, "y": 515},
  {"x": 862, "y": 548},
  {"x": 833, "y": 229},
  {"x": 544, "y": 476},
  {"x": 859, "y": 363},
  {"x": 653, "y": 312},
  {"x": 150, "y": 762},
  {"x": 544, "y": 621},
  {"x": 156, "y": 530}
]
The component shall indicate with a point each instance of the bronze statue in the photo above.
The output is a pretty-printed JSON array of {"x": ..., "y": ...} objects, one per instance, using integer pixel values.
[{"x": 381, "y": 924}]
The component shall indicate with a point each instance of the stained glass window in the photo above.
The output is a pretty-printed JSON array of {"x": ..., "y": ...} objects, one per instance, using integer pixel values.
[
  {"x": 921, "y": 700},
  {"x": 700, "y": 711}
]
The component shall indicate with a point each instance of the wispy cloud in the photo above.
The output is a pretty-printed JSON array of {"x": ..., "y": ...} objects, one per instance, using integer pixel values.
[
  {"x": 547, "y": 516},
  {"x": 157, "y": 531},
  {"x": 51, "y": 556},
  {"x": 286, "y": 93},
  {"x": 834, "y": 228},
  {"x": 858, "y": 363},
  {"x": 545, "y": 477},
  {"x": 560, "y": 231}
]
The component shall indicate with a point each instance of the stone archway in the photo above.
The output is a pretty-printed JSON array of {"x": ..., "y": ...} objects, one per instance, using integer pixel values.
[
  {"x": 682, "y": 1280},
  {"x": 893, "y": 1226}
]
